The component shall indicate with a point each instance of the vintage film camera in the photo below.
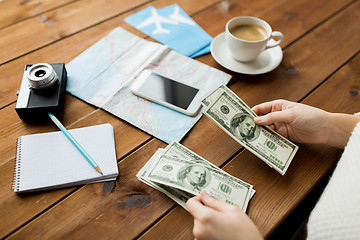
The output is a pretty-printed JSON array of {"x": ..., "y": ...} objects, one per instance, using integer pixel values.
[{"x": 42, "y": 91}]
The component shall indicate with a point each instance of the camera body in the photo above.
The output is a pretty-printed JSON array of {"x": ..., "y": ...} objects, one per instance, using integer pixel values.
[{"x": 42, "y": 91}]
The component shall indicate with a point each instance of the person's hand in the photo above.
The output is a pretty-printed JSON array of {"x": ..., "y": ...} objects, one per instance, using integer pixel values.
[
  {"x": 214, "y": 219},
  {"x": 306, "y": 124},
  {"x": 295, "y": 121}
]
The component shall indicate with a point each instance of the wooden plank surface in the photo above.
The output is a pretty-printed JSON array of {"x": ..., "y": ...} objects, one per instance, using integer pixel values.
[
  {"x": 318, "y": 51},
  {"x": 19, "y": 208},
  {"x": 127, "y": 225},
  {"x": 68, "y": 48},
  {"x": 12, "y": 12},
  {"x": 11, "y": 126},
  {"x": 274, "y": 196},
  {"x": 57, "y": 24},
  {"x": 339, "y": 97}
]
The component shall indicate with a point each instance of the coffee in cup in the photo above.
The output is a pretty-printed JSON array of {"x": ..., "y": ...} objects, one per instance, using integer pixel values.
[
  {"x": 247, "y": 37},
  {"x": 249, "y": 32}
]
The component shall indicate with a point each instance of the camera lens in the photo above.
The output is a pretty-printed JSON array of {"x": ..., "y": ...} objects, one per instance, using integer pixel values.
[
  {"x": 41, "y": 76},
  {"x": 40, "y": 73}
]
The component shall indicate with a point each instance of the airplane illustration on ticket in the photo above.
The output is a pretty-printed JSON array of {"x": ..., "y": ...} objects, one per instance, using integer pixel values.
[{"x": 174, "y": 18}]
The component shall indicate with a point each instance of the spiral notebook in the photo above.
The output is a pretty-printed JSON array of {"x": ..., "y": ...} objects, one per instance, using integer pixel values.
[{"x": 49, "y": 160}]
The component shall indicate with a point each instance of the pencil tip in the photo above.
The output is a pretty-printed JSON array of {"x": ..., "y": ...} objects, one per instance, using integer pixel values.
[{"x": 99, "y": 170}]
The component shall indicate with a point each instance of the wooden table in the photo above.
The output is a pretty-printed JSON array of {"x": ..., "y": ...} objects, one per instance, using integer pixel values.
[{"x": 320, "y": 67}]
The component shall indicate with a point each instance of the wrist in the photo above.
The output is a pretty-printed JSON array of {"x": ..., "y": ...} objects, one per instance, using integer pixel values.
[{"x": 340, "y": 128}]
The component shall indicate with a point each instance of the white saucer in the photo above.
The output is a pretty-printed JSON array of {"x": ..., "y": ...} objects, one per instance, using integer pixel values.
[{"x": 266, "y": 62}]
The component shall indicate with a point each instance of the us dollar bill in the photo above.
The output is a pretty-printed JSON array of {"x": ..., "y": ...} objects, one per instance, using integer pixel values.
[
  {"x": 180, "y": 197},
  {"x": 214, "y": 95},
  {"x": 191, "y": 177},
  {"x": 229, "y": 112},
  {"x": 177, "y": 150}
]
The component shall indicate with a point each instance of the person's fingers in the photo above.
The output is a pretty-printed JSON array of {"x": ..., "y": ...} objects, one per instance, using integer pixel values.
[
  {"x": 285, "y": 116},
  {"x": 272, "y": 126},
  {"x": 263, "y": 108},
  {"x": 272, "y": 106},
  {"x": 211, "y": 202},
  {"x": 195, "y": 207},
  {"x": 197, "y": 198}
]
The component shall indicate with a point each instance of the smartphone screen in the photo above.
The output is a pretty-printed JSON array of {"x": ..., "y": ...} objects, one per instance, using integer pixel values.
[{"x": 167, "y": 90}]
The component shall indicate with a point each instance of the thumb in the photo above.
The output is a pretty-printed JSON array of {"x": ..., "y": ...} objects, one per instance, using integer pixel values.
[
  {"x": 211, "y": 202},
  {"x": 274, "y": 117},
  {"x": 195, "y": 207}
]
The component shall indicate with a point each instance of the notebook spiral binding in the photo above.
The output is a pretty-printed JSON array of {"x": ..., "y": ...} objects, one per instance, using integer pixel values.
[{"x": 16, "y": 177}]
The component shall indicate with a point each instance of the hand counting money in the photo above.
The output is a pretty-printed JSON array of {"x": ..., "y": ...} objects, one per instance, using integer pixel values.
[
  {"x": 232, "y": 115},
  {"x": 181, "y": 174}
]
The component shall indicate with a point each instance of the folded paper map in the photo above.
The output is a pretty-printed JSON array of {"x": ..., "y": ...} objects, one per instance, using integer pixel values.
[
  {"x": 103, "y": 73},
  {"x": 173, "y": 27},
  {"x": 232, "y": 115}
]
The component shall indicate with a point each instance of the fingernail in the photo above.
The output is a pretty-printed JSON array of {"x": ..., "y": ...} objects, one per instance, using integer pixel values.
[
  {"x": 258, "y": 119},
  {"x": 205, "y": 195}
]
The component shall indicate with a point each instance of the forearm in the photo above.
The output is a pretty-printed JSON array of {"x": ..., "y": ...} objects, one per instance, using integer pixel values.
[{"x": 340, "y": 128}]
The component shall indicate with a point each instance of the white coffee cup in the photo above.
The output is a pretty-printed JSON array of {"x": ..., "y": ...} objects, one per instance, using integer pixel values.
[{"x": 245, "y": 50}]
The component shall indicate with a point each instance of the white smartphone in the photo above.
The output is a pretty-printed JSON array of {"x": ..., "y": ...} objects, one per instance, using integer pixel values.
[{"x": 167, "y": 92}]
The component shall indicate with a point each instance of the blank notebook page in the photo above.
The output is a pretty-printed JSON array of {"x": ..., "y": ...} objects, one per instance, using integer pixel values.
[{"x": 50, "y": 160}]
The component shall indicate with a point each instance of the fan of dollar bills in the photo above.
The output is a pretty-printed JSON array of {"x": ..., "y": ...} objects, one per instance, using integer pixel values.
[
  {"x": 232, "y": 115},
  {"x": 181, "y": 174}
]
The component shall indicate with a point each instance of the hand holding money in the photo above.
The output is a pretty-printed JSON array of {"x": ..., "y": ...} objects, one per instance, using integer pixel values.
[
  {"x": 216, "y": 220},
  {"x": 306, "y": 124},
  {"x": 181, "y": 174},
  {"x": 232, "y": 115}
]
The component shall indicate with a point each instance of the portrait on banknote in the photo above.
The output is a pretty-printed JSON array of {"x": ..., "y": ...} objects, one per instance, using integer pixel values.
[
  {"x": 194, "y": 176},
  {"x": 244, "y": 128}
]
